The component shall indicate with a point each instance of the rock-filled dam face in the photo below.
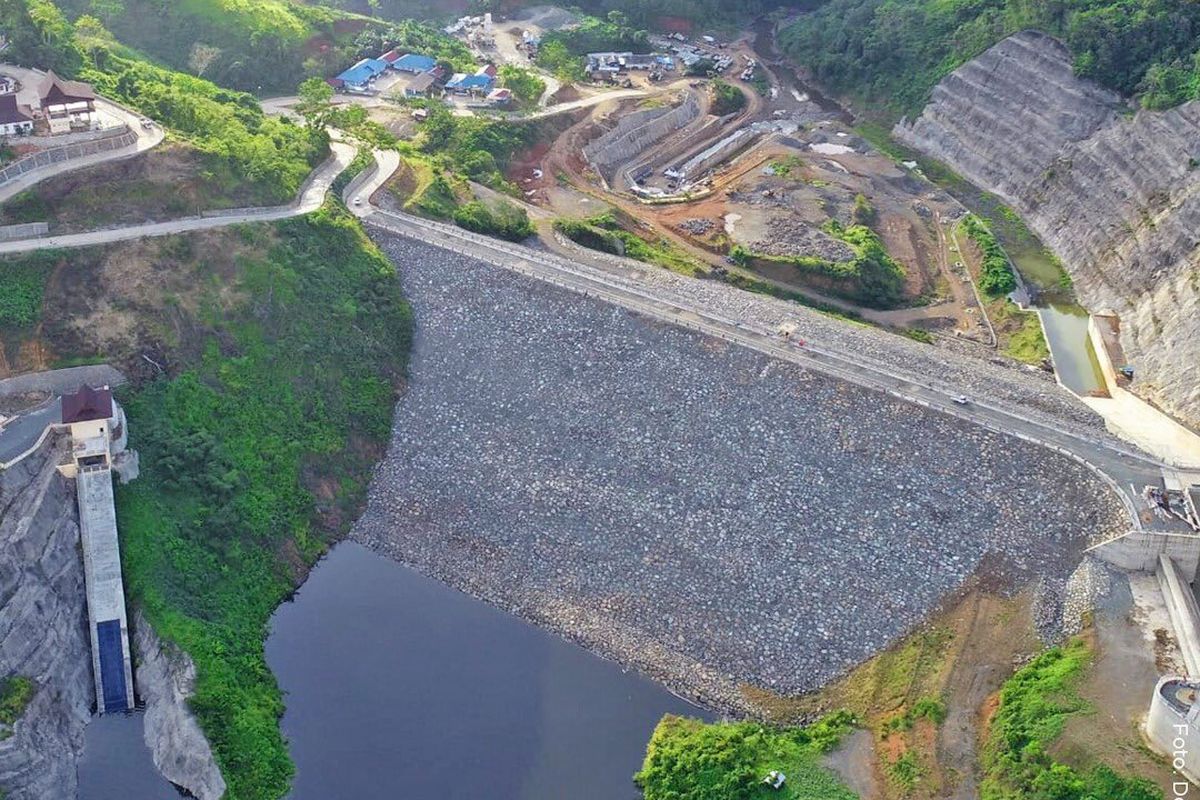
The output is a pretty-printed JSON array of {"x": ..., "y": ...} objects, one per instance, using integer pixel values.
[{"x": 701, "y": 512}]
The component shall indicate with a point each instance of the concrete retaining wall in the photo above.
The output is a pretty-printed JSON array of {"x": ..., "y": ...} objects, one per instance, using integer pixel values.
[
  {"x": 1183, "y": 610},
  {"x": 26, "y": 230},
  {"x": 115, "y": 140},
  {"x": 1140, "y": 551},
  {"x": 637, "y": 131}
]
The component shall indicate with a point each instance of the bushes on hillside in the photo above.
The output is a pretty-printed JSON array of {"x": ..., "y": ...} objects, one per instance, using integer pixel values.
[
  {"x": 270, "y": 150},
  {"x": 726, "y": 98},
  {"x": 996, "y": 277},
  {"x": 501, "y": 219},
  {"x": 895, "y": 51},
  {"x": 255, "y": 454},
  {"x": 1034, "y": 706},
  {"x": 525, "y": 85}
]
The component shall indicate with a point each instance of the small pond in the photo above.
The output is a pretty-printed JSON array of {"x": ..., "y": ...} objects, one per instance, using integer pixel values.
[{"x": 1075, "y": 362}]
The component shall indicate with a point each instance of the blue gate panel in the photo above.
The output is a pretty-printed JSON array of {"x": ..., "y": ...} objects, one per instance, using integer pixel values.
[{"x": 112, "y": 665}]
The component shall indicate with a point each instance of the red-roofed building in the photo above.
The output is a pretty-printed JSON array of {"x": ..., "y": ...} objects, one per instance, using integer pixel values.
[
  {"x": 391, "y": 56},
  {"x": 66, "y": 104},
  {"x": 487, "y": 69},
  {"x": 15, "y": 119},
  {"x": 87, "y": 405}
]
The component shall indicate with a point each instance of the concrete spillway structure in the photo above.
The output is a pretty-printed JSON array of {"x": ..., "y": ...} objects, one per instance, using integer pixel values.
[{"x": 96, "y": 424}]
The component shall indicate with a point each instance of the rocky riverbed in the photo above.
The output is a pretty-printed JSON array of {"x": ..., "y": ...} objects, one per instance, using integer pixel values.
[{"x": 696, "y": 510}]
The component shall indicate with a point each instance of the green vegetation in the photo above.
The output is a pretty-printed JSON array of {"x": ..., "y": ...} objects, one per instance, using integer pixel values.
[
  {"x": 689, "y": 760},
  {"x": 609, "y": 232},
  {"x": 863, "y": 213},
  {"x": 726, "y": 98},
  {"x": 783, "y": 167},
  {"x": 1019, "y": 331},
  {"x": 474, "y": 147},
  {"x": 39, "y": 34},
  {"x": 996, "y": 275},
  {"x": 21, "y": 287},
  {"x": 893, "y": 52},
  {"x": 255, "y": 453},
  {"x": 561, "y": 51},
  {"x": 231, "y": 125},
  {"x": 1034, "y": 705},
  {"x": 526, "y": 86},
  {"x": 554, "y": 57},
  {"x": 501, "y": 219},
  {"x": 930, "y": 708},
  {"x": 15, "y": 693},
  {"x": 872, "y": 277},
  {"x": 264, "y": 45}
]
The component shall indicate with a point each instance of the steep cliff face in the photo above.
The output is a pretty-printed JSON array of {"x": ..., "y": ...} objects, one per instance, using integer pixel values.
[
  {"x": 166, "y": 678},
  {"x": 43, "y": 627},
  {"x": 1117, "y": 198}
]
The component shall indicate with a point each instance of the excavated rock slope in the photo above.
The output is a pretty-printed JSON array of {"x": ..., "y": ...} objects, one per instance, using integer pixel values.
[
  {"x": 166, "y": 679},
  {"x": 1116, "y": 197},
  {"x": 43, "y": 627}
]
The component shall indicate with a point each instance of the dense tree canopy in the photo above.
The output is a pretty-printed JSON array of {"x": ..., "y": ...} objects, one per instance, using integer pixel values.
[{"x": 895, "y": 51}]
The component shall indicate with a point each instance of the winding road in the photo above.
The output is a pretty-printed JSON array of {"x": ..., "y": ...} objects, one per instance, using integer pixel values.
[{"x": 310, "y": 198}]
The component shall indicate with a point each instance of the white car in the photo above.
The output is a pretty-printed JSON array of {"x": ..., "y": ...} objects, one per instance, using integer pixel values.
[
  {"x": 358, "y": 201},
  {"x": 960, "y": 399}
]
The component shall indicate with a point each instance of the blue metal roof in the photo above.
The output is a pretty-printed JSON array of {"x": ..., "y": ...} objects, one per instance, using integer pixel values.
[
  {"x": 415, "y": 62},
  {"x": 112, "y": 666},
  {"x": 472, "y": 82},
  {"x": 364, "y": 70}
]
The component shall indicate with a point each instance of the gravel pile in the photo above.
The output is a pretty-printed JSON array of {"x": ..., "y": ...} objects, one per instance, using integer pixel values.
[
  {"x": 789, "y": 236},
  {"x": 693, "y": 509},
  {"x": 697, "y": 225}
]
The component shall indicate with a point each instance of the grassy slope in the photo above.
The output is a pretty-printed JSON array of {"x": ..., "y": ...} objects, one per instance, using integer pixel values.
[
  {"x": 284, "y": 345},
  {"x": 173, "y": 180},
  {"x": 690, "y": 760},
  {"x": 1034, "y": 706},
  {"x": 253, "y": 457}
]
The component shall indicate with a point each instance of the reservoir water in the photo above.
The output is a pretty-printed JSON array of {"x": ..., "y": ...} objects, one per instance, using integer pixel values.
[
  {"x": 116, "y": 763},
  {"x": 399, "y": 687}
]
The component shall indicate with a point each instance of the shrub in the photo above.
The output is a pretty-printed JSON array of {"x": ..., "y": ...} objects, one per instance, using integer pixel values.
[
  {"x": 689, "y": 760},
  {"x": 996, "y": 275},
  {"x": 501, "y": 219},
  {"x": 726, "y": 98}
]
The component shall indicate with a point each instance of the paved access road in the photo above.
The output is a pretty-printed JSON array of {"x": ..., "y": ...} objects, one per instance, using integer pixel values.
[
  {"x": 23, "y": 431},
  {"x": 311, "y": 196}
]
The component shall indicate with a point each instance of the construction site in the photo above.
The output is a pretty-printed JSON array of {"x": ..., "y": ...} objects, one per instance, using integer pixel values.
[{"x": 743, "y": 172}]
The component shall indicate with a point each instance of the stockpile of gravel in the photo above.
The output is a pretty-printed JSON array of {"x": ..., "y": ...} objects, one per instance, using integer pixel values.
[{"x": 696, "y": 510}]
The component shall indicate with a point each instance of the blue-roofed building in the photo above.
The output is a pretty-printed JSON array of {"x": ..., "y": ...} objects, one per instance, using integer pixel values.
[
  {"x": 359, "y": 77},
  {"x": 480, "y": 83},
  {"x": 414, "y": 62}
]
